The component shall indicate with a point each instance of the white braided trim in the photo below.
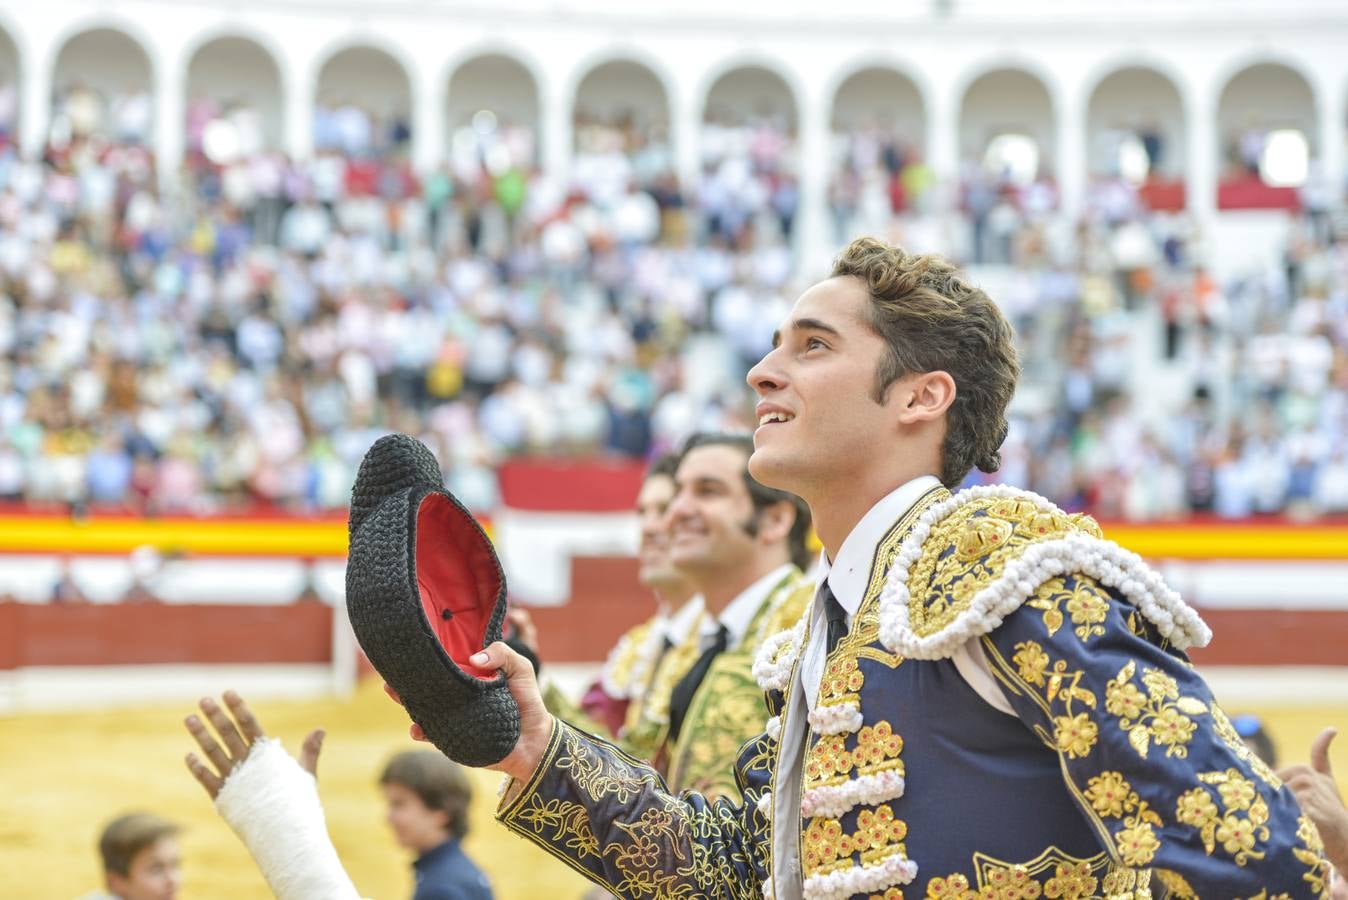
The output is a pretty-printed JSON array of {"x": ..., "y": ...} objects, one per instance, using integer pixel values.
[
  {"x": 776, "y": 657},
  {"x": 768, "y": 893},
  {"x": 836, "y": 800},
  {"x": 774, "y": 728},
  {"x": 838, "y": 718},
  {"x": 764, "y": 804},
  {"x": 1079, "y": 553},
  {"x": 843, "y": 883}
]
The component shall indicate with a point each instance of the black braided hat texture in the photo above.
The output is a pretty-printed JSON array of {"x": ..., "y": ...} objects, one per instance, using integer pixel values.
[{"x": 471, "y": 720}]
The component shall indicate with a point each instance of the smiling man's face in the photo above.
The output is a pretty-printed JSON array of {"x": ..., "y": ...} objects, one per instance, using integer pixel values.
[
  {"x": 818, "y": 418},
  {"x": 656, "y": 570},
  {"x": 711, "y": 518}
]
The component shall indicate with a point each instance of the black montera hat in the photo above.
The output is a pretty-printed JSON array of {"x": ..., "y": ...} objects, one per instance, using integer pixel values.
[{"x": 425, "y": 591}]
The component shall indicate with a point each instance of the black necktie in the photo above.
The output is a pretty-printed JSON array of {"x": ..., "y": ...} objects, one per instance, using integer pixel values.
[
  {"x": 682, "y": 695},
  {"x": 834, "y": 615}
]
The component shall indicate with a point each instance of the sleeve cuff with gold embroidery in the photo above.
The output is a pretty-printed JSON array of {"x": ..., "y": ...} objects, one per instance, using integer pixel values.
[{"x": 514, "y": 791}]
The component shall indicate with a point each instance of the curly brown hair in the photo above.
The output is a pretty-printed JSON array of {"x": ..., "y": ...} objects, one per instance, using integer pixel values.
[{"x": 932, "y": 320}]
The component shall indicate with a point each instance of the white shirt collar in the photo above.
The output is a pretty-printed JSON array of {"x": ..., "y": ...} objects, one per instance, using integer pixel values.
[
  {"x": 679, "y": 623},
  {"x": 848, "y": 574},
  {"x": 741, "y": 611}
]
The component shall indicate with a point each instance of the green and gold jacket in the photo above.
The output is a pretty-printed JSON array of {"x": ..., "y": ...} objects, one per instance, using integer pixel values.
[
  {"x": 1106, "y": 769},
  {"x": 726, "y": 709}
]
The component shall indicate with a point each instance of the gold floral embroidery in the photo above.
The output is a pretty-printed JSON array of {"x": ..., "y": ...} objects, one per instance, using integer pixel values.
[
  {"x": 1238, "y": 826},
  {"x": 1175, "y": 883},
  {"x": 1109, "y": 794},
  {"x": 1063, "y": 877},
  {"x": 985, "y": 534},
  {"x": 1137, "y": 844},
  {"x": 1071, "y": 882},
  {"x": 878, "y": 830},
  {"x": 1013, "y": 883},
  {"x": 828, "y": 759},
  {"x": 1310, "y": 854},
  {"x": 1263, "y": 895},
  {"x": 1160, "y": 715},
  {"x": 1127, "y": 884},
  {"x": 1084, "y": 605},
  {"x": 877, "y": 749},
  {"x": 981, "y": 536},
  {"x": 1227, "y": 732},
  {"x": 825, "y": 843},
  {"x": 569, "y": 823},
  {"x": 1074, "y": 734},
  {"x": 890, "y": 894},
  {"x": 842, "y": 680},
  {"x": 953, "y": 887},
  {"x": 827, "y": 847}
]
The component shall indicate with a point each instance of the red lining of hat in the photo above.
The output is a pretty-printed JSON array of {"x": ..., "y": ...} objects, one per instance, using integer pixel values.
[{"x": 456, "y": 571}]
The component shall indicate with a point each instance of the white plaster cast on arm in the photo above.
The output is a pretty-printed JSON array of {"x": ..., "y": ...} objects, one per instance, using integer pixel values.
[{"x": 272, "y": 804}]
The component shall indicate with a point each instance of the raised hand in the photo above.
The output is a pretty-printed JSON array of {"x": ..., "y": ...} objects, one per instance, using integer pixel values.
[
  {"x": 1318, "y": 795},
  {"x": 237, "y": 735},
  {"x": 535, "y": 720}
]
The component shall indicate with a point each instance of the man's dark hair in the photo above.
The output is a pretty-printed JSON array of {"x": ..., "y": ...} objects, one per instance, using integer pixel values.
[
  {"x": 761, "y": 495},
  {"x": 439, "y": 783},
  {"x": 932, "y": 320},
  {"x": 666, "y": 464},
  {"x": 126, "y": 836}
]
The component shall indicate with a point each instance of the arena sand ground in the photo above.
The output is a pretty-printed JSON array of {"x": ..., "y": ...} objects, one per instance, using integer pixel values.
[{"x": 63, "y": 775}]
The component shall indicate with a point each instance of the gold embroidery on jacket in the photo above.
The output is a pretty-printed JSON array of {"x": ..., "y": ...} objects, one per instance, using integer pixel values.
[
  {"x": 1176, "y": 884},
  {"x": 1084, "y": 606},
  {"x": 1227, "y": 732},
  {"x": 1052, "y": 874},
  {"x": 1074, "y": 733},
  {"x": 1109, "y": 794},
  {"x": 1237, "y": 825},
  {"x": 829, "y": 760},
  {"x": 668, "y": 851},
  {"x": 1311, "y": 854},
  {"x": 984, "y": 535},
  {"x": 828, "y": 848},
  {"x": 1160, "y": 715},
  {"x": 728, "y": 708}
]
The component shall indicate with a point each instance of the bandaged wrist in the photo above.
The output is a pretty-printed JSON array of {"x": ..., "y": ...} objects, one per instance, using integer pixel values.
[{"x": 272, "y": 804}]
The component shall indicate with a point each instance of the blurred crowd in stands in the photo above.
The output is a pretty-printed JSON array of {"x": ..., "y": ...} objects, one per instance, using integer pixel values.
[{"x": 242, "y": 335}]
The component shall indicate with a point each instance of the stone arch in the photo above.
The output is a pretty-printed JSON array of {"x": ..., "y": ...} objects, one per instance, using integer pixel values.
[
  {"x": 1007, "y": 101},
  {"x": 103, "y": 83},
  {"x": 620, "y": 99},
  {"x": 234, "y": 86},
  {"x": 1136, "y": 105},
  {"x": 362, "y": 99},
  {"x": 492, "y": 111},
  {"x": 1256, "y": 102}
]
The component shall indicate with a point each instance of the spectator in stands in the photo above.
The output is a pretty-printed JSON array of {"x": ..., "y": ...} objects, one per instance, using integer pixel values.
[
  {"x": 243, "y": 336},
  {"x": 140, "y": 858}
]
